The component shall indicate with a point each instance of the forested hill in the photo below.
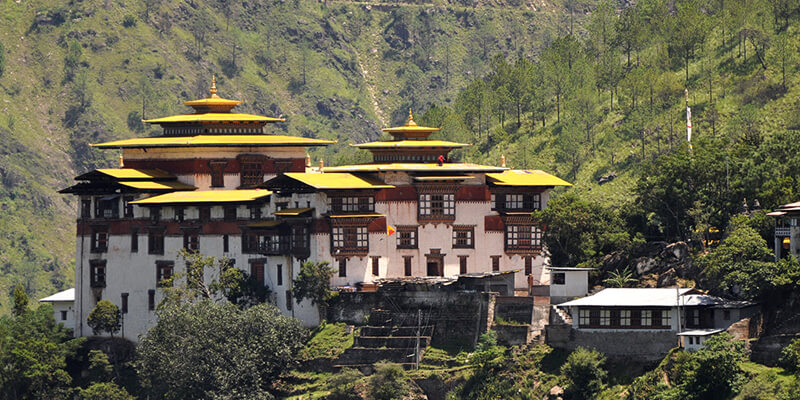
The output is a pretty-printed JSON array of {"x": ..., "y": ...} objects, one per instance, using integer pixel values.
[{"x": 79, "y": 72}]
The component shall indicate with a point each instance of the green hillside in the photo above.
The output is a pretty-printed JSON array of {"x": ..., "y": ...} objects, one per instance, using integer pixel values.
[{"x": 81, "y": 72}]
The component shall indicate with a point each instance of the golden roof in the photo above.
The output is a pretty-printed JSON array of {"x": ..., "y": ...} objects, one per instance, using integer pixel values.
[
  {"x": 213, "y": 103},
  {"x": 337, "y": 181},
  {"x": 206, "y": 196},
  {"x": 265, "y": 224},
  {"x": 213, "y": 117},
  {"x": 292, "y": 212},
  {"x": 442, "y": 178},
  {"x": 133, "y": 173},
  {"x": 525, "y": 177},
  {"x": 367, "y": 215},
  {"x": 214, "y": 141},
  {"x": 150, "y": 185},
  {"x": 409, "y": 144},
  {"x": 415, "y": 167},
  {"x": 410, "y": 129}
]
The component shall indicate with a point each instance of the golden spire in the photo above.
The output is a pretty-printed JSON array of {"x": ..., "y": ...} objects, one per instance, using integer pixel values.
[
  {"x": 410, "y": 119},
  {"x": 121, "y": 161},
  {"x": 502, "y": 160},
  {"x": 213, "y": 89}
]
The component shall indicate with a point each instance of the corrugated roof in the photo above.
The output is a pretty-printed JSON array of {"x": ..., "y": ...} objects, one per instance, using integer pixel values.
[
  {"x": 631, "y": 297},
  {"x": 150, "y": 185},
  {"x": 524, "y": 177},
  {"x": 292, "y": 212},
  {"x": 206, "y": 196},
  {"x": 413, "y": 167},
  {"x": 214, "y": 141},
  {"x": 66, "y": 295},
  {"x": 701, "y": 332},
  {"x": 363, "y": 215},
  {"x": 132, "y": 173},
  {"x": 213, "y": 117},
  {"x": 337, "y": 181},
  {"x": 409, "y": 144}
]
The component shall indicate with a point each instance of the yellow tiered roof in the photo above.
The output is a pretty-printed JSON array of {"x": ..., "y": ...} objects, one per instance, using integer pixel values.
[
  {"x": 214, "y": 141},
  {"x": 337, "y": 181},
  {"x": 525, "y": 177},
  {"x": 415, "y": 167},
  {"x": 206, "y": 196},
  {"x": 213, "y": 117},
  {"x": 410, "y": 130},
  {"x": 150, "y": 185},
  {"x": 133, "y": 173},
  {"x": 409, "y": 144}
]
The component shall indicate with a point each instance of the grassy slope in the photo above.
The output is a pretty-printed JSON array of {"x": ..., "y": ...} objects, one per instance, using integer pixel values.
[{"x": 364, "y": 65}]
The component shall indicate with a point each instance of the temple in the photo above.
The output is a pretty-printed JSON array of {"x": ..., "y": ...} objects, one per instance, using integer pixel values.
[{"x": 216, "y": 183}]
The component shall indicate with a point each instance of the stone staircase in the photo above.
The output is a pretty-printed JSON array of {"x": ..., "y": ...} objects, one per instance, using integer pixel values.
[
  {"x": 388, "y": 336},
  {"x": 559, "y": 316}
]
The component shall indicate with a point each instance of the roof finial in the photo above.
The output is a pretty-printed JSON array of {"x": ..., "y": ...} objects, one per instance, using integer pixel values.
[
  {"x": 410, "y": 119},
  {"x": 213, "y": 90},
  {"x": 502, "y": 160}
]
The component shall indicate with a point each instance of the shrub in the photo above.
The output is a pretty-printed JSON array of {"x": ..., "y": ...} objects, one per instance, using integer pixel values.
[
  {"x": 129, "y": 21},
  {"x": 389, "y": 382},
  {"x": 584, "y": 374},
  {"x": 105, "y": 317},
  {"x": 790, "y": 356},
  {"x": 342, "y": 385}
]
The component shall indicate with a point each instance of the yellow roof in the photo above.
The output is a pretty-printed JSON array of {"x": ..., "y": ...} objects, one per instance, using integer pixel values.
[
  {"x": 525, "y": 177},
  {"x": 265, "y": 224},
  {"x": 132, "y": 173},
  {"x": 291, "y": 212},
  {"x": 337, "y": 181},
  {"x": 406, "y": 144},
  {"x": 214, "y": 141},
  {"x": 357, "y": 215},
  {"x": 213, "y": 117},
  {"x": 206, "y": 196},
  {"x": 412, "y": 167},
  {"x": 150, "y": 185}
]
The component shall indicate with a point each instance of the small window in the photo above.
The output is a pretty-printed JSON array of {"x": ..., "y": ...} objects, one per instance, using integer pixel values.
[
  {"x": 279, "y": 271},
  {"x": 407, "y": 265},
  {"x": 407, "y": 237},
  {"x": 86, "y": 208},
  {"x": 225, "y": 246},
  {"x": 257, "y": 271},
  {"x": 343, "y": 268},
  {"x": 437, "y": 206},
  {"x": 584, "y": 317},
  {"x": 252, "y": 173},
  {"x": 528, "y": 265},
  {"x": 462, "y": 264},
  {"x": 99, "y": 240},
  {"x": 376, "y": 269},
  {"x": 647, "y": 318},
  {"x": 127, "y": 207},
  {"x": 205, "y": 214},
  {"x": 255, "y": 212},
  {"x": 124, "y": 302},
  {"x": 559, "y": 278},
  {"x": 134, "y": 240},
  {"x": 179, "y": 214},
  {"x": 625, "y": 317},
  {"x": 353, "y": 239},
  {"x": 164, "y": 272},
  {"x": 230, "y": 213},
  {"x": 495, "y": 263},
  {"x": 191, "y": 240},
  {"x": 463, "y": 237},
  {"x": 289, "y": 300},
  {"x": 63, "y": 315},
  {"x": 217, "y": 173},
  {"x": 97, "y": 273},
  {"x": 151, "y": 299},
  {"x": 155, "y": 242},
  {"x": 155, "y": 214},
  {"x": 605, "y": 317},
  {"x": 523, "y": 238}
]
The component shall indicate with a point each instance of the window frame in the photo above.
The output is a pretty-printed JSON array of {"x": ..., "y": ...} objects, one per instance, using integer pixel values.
[
  {"x": 165, "y": 270},
  {"x": 407, "y": 242},
  {"x": 523, "y": 238},
  {"x": 155, "y": 241},
  {"x": 466, "y": 241},
  {"x": 559, "y": 278},
  {"x": 436, "y": 206},
  {"x": 350, "y": 239},
  {"x": 97, "y": 273},
  {"x": 99, "y": 239}
]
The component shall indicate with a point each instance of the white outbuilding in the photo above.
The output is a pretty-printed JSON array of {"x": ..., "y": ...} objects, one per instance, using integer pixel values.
[{"x": 63, "y": 307}]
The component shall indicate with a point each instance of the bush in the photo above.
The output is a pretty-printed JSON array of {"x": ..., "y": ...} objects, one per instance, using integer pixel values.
[
  {"x": 389, "y": 382},
  {"x": 105, "y": 317},
  {"x": 790, "y": 357},
  {"x": 584, "y": 374},
  {"x": 129, "y": 21},
  {"x": 104, "y": 391},
  {"x": 342, "y": 385}
]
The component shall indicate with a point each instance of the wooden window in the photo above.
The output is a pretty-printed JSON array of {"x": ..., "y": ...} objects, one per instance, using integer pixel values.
[
  {"x": 625, "y": 317},
  {"x": 376, "y": 269},
  {"x": 279, "y": 271},
  {"x": 436, "y": 206},
  {"x": 205, "y": 214},
  {"x": 584, "y": 316},
  {"x": 528, "y": 265},
  {"x": 124, "y": 302},
  {"x": 352, "y": 239},
  {"x": 343, "y": 268},
  {"x": 495, "y": 263},
  {"x": 289, "y": 300},
  {"x": 134, "y": 240},
  {"x": 300, "y": 238},
  {"x": 407, "y": 237},
  {"x": 225, "y": 246},
  {"x": 636, "y": 318},
  {"x": 462, "y": 264},
  {"x": 523, "y": 238},
  {"x": 99, "y": 240},
  {"x": 180, "y": 213},
  {"x": 605, "y": 317},
  {"x": 151, "y": 299},
  {"x": 250, "y": 243},
  {"x": 230, "y": 213},
  {"x": 463, "y": 237},
  {"x": 155, "y": 214},
  {"x": 516, "y": 201},
  {"x": 255, "y": 212},
  {"x": 97, "y": 272},
  {"x": 646, "y": 318},
  {"x": 666, "y": 317},
  {"x": 252, "y": 173},
  {"x": 217, "y": 173},
  {"x": 127, "y": 207},
  {"x": 559, "y": 278},
  {"x": 63, "y": 315},
  {"x": 107, "y": 207},
  {"x": 281, "y": 205},
  {"x": 191, "y": 240},
  {"x": 164, "y": 272},
  {"x": 257, "y": 271},
  {"x": 407, "y": 265},
  {"x": 86, "y": 208},
  {"x": 351, "y": 204},
  {"x": 155, "y": 241}
]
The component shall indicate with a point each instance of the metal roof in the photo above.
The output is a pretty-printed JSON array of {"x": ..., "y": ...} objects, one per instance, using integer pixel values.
[
  {"x": 409, "y": 144},
  {"x": 631, "y": 297},
  {"x": 205, "y": 196},
  {"x": 415, "y": 167},
  {"x": 570, "y": 269},
  {"x": 150, "y": 185},
  {"x": 701, "y": 332},
  {"x": 213, "y": 117},
  {"x": 63, "y": 296},
  {"x": 525, "y": 177},
  {"x": 337, "y": 181},
  {"x": 259, "y": 140}
]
